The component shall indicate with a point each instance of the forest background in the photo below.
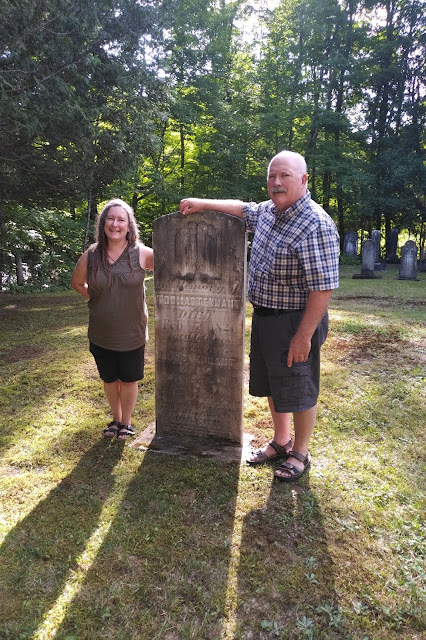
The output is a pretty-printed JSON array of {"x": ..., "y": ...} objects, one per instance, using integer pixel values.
[{"x": 151, "y": 101}]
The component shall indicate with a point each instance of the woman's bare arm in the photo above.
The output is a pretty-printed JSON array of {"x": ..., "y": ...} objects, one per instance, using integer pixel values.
[
  {"x": 79, "y": 276},
  {"x": 146, "y": 257}
]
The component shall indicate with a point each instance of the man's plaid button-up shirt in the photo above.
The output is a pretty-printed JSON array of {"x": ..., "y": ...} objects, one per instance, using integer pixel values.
[{"x": 293, "y": 253}]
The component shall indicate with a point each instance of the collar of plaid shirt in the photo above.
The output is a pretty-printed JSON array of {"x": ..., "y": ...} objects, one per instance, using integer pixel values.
[{"x": 294, "y": 209}]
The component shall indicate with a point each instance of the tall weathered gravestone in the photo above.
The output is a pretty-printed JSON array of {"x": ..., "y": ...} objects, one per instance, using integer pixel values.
[
  {"x": 375, "y": 236},
  {"x": 199, "y": 325},
  {"x": 369, "y": 252},
  {"x": 408, "y": 268}
]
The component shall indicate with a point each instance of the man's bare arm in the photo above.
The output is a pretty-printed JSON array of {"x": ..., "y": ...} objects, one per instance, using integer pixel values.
[
  {"x": 315, "y": 309},
  {"x": 195, "y": 205}
]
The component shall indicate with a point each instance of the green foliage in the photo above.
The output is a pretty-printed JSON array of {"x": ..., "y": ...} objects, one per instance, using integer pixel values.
[
  {"x": 71, "y": 82},
  {"x": 48, "y": 245},
  {"x": 151, "y": 101}
]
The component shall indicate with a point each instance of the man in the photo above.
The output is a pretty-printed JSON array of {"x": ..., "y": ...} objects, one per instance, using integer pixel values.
[{"x": 294, "y": 266}]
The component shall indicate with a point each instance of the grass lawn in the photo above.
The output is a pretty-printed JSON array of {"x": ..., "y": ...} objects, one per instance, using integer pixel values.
[{"x": 100, "y": 540}]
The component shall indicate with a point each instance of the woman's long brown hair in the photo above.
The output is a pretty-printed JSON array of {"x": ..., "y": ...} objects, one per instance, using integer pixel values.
[{"x": 99, "y": 249}]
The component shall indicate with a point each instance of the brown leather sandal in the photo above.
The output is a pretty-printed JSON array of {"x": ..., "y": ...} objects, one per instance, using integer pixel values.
[
  {"x": 259, "y": 456},
  {"x": 295, "y": 472}
]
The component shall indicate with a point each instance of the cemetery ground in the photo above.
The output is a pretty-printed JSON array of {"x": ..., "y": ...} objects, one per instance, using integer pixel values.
[{"x": 100, "y": 540}]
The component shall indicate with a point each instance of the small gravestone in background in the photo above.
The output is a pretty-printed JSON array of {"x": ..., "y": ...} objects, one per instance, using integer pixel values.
[
  {"x": 350, "y": 245},
  {"x": 393, "y": 245},
  {"x": 375, "y": 237},
  {"x": 199, "y": 326},
  {"x": 408, "y": 268},
  {"x": 368, "y": 259},
  {"x": 422, "y": 267}
]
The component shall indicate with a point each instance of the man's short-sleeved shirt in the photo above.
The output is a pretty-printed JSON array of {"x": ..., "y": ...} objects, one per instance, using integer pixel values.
[{"x": 293, "y": 253}]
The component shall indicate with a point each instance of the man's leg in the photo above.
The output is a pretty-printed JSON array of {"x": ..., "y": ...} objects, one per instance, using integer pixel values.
[
  {"x": 281, "y": 422},
  {"x": 304, "y": 424}
]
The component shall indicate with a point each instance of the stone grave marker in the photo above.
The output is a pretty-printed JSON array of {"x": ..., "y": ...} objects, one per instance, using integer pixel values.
[
  {"x": 375, "y": 236},
  {"x": 350, "y": 245},
  {"x": 408, "y": 268},
  {"x": 199, "y": 278},
  {"x": 369, "y": 253}
]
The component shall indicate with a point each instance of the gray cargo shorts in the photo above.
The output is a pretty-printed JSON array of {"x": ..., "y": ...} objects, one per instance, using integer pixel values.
[{"x": 294, "y": 388}]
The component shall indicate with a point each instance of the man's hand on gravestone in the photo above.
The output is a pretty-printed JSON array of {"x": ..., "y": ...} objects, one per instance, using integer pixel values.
[{"x": 192, "y": 205}]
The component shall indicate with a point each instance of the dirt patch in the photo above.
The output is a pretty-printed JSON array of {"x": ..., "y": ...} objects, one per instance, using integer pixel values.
[
  {"x": 379, "y": 303},
  {"x": 16, "y": 302},
  {"x": 89, "y": 369},
  {"x": 366, "y": 345},
  {"x": 11, "y": 471},
  {"x": 23, "y": 352}
]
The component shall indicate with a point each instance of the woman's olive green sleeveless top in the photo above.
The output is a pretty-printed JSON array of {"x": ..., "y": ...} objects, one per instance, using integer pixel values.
[{"x": 117, "y": 309}]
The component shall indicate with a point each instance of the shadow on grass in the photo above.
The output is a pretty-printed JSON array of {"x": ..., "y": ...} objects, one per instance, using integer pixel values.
[
  {"x": 33, "y": 567},
  {"x": 162, "y": 571},
  {"x": 35, "y": 389},
  {"x": 285, "y": 577}
]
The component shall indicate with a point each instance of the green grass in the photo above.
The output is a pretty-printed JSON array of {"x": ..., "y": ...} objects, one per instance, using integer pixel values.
[{"x": 101, "y": 541}]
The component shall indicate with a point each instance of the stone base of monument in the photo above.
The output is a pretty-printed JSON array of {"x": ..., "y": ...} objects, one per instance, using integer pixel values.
[
  {"x": 366, "y": 275},
  {"x": 379, "y": 266},
  {"x": 211, "y": 448}
]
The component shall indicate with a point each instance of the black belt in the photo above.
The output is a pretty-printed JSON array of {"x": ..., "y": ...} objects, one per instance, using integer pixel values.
[{"x": 267, "y": 311}]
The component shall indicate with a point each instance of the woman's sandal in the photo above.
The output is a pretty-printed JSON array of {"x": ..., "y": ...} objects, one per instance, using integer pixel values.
[
  {"x": 295, "y": 472},
  {"x": 126, "y": 431},
  {"x": 259, "y": 456},
  {"x": 112, "y": 429}
]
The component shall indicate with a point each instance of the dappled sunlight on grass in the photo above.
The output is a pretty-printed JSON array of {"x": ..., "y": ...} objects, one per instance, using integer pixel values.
[
  {"x": 102, "y": 541},
  {"x": 53, "y": 619}
]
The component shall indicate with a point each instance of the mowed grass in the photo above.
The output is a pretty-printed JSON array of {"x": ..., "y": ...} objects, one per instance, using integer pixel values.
[{"x": 100, "y": 540}]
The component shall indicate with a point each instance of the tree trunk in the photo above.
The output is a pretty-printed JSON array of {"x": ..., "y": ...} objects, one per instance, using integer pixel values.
[
  {"x": 294, "y": 92},
  {"x": 326, "y": 181},
  {"x": 341, "y": 217},
  {"x": 134, "y": 201},
  {"x": 90, "y": 217},
  {"x": 388, "y": 231},
  {"x": 312, "y": 180},
  {"x": 19, "y": 269},
  {"x": 182, "y": 157},
  {"x": 2, "y": 244}
]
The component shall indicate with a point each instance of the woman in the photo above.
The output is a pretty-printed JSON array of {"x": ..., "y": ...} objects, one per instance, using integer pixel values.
[{"x": 110, "y": 275}]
